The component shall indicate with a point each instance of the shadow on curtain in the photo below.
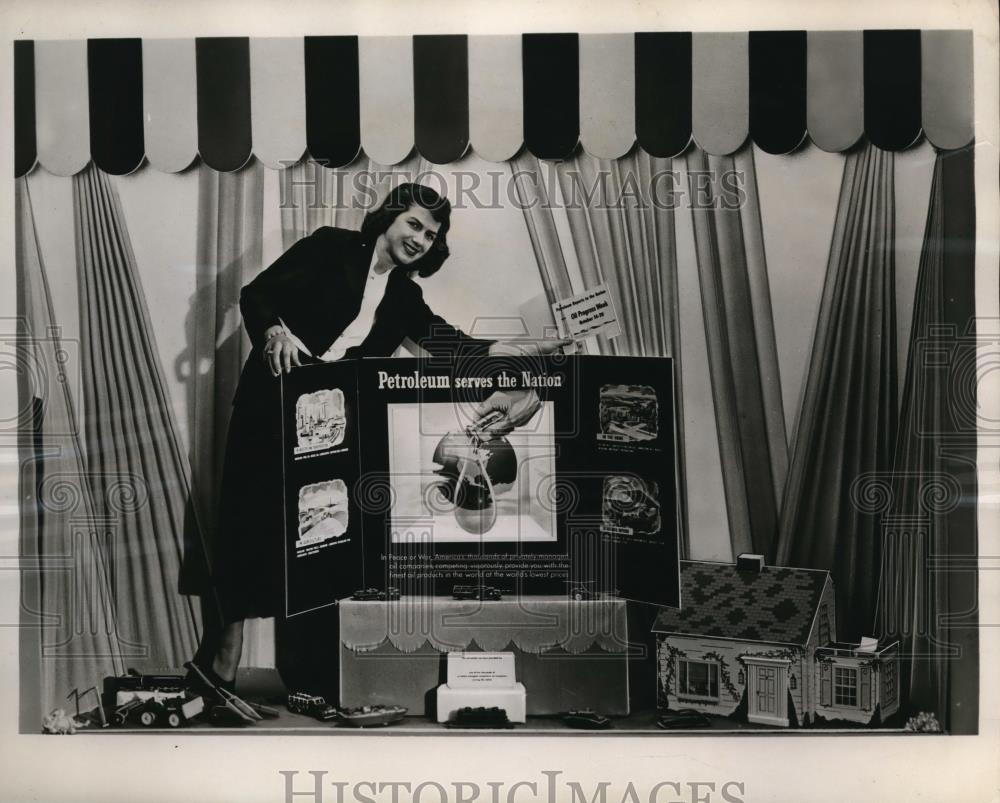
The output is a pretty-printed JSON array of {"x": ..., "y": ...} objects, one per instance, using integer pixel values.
[
  {"x": 229, "y": 244},
  {"x": 69, "y": 634},
  {"x": 847, "y": 424},
  {"x": 928, "y": 586},
  {"x": 136, "y": 470}
]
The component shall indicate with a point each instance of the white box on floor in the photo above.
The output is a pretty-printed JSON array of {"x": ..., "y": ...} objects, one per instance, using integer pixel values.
[{"x": 512, "y": 700}]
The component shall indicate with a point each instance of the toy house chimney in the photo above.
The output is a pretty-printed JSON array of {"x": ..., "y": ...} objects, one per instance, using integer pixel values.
[{"x": 749, "y": 563}]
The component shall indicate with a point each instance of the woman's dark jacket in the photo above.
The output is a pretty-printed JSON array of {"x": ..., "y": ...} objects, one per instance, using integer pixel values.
[{"x": 316, "y": 289}]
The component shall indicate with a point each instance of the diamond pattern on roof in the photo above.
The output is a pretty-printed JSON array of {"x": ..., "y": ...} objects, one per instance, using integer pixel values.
[{"x": 775, "y": 605}]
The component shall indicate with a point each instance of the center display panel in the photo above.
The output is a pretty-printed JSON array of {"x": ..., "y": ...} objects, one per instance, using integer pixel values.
[{"x": 482, "y": 476}]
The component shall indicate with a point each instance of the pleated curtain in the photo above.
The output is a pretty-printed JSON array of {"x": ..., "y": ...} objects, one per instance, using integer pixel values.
[
  {"x": 927, "y": 596},
  {"x": 69, "y": 633},
  {"x": 742, "y": 350},
  {"x": 535, "y": 195},
  {"x": 847, "y": 422},
  {"x": 137, "y": 473},
  {"x": 621, "y": 234}
]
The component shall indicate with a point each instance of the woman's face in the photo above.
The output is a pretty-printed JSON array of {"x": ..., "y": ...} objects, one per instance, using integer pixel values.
[{"x": 411, "y": 235}]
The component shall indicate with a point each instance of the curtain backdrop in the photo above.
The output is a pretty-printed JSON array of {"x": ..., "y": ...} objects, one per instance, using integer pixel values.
[
  {"x": 622, "y": 234},
  {"x": 847, "y": 424},
  {"x": 136, "y": 470},
  {"x": 928, "y": 586},
  {"x": 536, "y": 199},
  {"x": 68, "y": 633},
  {"x": 103, "y": 535},
  {"x": 742, "y": 350}
]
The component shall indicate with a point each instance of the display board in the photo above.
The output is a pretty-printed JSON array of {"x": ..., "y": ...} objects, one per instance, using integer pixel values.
[{"x": 403, "y": 474}]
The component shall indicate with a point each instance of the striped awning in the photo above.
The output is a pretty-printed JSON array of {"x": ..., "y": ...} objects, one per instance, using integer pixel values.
[{"x": 170, "y": 101}]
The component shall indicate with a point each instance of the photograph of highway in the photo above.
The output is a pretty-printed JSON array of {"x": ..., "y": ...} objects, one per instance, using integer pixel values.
[
  {"x": 322, "y": 512},
  {"x": 629, "y": 413}
]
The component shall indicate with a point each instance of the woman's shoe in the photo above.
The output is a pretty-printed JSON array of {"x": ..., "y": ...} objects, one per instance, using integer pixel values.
[{"x": 205, "y": 681}]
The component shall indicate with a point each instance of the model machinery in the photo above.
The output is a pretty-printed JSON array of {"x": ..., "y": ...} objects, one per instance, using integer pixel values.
[{"x": 149, "y": 700}]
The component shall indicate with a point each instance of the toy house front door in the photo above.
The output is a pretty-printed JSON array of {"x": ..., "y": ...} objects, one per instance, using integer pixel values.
[{"x": 767, "y": 692}]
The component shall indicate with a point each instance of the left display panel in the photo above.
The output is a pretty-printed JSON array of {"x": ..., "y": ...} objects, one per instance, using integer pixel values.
[{"x": 323, "y": 533}]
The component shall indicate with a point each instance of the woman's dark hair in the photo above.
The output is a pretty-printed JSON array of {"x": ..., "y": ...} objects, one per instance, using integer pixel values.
[{"x": 398, "y": 201}]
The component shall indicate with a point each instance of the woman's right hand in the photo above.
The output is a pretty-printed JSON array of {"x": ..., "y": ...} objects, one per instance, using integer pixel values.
[{"x": 280, "y": 354}]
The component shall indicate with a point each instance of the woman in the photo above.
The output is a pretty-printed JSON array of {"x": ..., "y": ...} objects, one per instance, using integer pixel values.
[{"x": 334, "y": 294}]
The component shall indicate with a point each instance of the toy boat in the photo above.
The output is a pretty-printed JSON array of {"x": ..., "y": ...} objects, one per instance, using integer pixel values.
[{"x": 372, "y": 716}]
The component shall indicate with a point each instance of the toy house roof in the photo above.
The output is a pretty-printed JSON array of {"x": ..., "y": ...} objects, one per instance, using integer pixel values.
[{"x": 775, "y": 604}]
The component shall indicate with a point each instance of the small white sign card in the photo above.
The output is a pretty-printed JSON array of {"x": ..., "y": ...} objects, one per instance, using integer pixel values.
[
  {"x": 590, "y": 313},
  {"x": 481, "y": 670}
]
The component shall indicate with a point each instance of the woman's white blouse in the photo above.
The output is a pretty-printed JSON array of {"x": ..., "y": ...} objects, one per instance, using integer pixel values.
[{"x": 358, "y": 329}]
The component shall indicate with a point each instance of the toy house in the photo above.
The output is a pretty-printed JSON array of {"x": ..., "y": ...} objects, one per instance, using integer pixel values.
[{"x": 758, "y": 643}]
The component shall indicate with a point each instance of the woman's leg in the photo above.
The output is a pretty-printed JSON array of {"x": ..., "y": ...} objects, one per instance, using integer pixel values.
[{"x": 230, "y": 649}]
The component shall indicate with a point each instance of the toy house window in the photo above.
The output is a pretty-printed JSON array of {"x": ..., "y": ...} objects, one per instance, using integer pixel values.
[
  {"x": 698, "y": 679},
  {"x": 889, "y": 681},
  {"x": 845, "y": 686}
]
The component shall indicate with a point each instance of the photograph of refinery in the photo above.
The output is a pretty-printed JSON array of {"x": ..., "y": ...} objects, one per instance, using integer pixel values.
[{"x": 320, "y": 420}]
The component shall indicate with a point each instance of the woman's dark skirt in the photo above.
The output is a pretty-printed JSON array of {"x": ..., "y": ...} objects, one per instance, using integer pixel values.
[
  {"x": 248, "y": 566},
  {"x": 248, "y": 559}
]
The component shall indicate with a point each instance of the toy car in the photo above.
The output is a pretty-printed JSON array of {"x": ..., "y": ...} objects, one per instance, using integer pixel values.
[
  {"x": 311, "y": 705},
  {"x": 586, "y": 719},
  {"x": 476, "y": 592},
  {"x": 372, "y": 594},
  {"x": 480, "y": 717},
  {"x": 682, "y": 718},
  {"x": 372, "y": 716}
]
